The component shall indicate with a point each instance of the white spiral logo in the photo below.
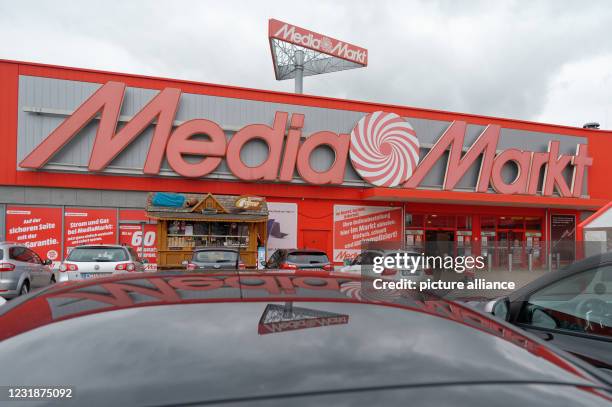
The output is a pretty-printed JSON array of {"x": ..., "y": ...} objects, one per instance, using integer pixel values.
[
  {"x": 326, "y": 44},
  {"x": 384, "y": 149}
]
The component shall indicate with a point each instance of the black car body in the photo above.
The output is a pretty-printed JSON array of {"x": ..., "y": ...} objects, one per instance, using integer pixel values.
[
  {"x": 571, "y": 308},
  {"x": 215, "y": 258},
  {"x": 299, "y": 259},
  {"x": 161, "y": 339}
]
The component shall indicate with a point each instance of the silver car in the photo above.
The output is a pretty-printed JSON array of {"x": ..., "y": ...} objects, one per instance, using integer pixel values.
[
  {"x": 92, "y": 261},
  {"x": 364, "y": 263},
  {"x": 215, "y": 258},
  {"x": 22, "y": 270}
]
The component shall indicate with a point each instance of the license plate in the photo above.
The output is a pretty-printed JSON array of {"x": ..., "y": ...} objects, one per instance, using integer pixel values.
[{"x": 92, "y": 275}]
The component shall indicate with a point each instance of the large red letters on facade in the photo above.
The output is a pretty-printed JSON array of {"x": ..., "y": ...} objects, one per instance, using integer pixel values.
[{"x": 281, "y": 164}]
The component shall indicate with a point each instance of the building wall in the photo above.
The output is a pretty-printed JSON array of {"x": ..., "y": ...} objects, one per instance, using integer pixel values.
[
  {"x": 18, "y": 80},
  {"x": 36, "y": 98}
]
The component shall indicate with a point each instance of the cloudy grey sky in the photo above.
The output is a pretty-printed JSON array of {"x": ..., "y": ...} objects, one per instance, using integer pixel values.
[{"x": 548, "y": 61}]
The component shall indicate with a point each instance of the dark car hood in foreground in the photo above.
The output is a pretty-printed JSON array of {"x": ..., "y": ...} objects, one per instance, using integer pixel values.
[{"x": 160, "y": 339}]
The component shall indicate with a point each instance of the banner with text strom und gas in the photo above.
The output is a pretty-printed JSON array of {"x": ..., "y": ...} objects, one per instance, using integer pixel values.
[{"x": 89, "y": 226}]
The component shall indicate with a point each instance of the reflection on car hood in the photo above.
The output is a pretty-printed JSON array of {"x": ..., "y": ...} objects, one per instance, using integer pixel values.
[{"x": 206, "y": 335}]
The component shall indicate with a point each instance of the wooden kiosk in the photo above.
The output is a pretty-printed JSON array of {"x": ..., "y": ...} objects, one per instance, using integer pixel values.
[{"x": 209, "y": 221}]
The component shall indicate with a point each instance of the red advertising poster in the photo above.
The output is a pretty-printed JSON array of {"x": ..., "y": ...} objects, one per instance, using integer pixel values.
[
  {"x": 38, "y": 228},
  {"x": 356, "y": 224},
  {"x": 89, "y": 226},
  {"x": 143, "y": 238}
]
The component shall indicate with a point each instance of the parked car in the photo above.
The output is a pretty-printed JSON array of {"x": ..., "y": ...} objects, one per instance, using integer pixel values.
[
  {"x": 363, "y": 264},
  {"x": 571, "y": 308},
  {"x": 89, "y": 261},
  {"x": 215, "y": 258},
  {"x": 299, "y": 259},
  {"x": 22, "y": 270},
  {"x": 276, "y": 340}
]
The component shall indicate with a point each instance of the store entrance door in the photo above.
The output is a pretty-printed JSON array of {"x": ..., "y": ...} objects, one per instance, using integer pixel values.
[
  {"x": 440, "y": 242},
  {"x": 511, "y": 242}
]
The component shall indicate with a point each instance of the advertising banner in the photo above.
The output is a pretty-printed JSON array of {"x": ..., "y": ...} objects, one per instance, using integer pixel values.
[
  {"x": 282, "y": 226},
  {"x": 317, "y": 42},
  {"x": 89, "y": 226},
  {"x": 38, "y": 228},
  {"x": 136, "y": 230},
  {"x": 143, "y": 238},
  {"x": 356, "y": 224},
  {"x": 563, "y": 236}
]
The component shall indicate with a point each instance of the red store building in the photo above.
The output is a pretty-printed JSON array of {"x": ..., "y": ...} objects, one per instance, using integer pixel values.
[{"x": 81, "y": 149}]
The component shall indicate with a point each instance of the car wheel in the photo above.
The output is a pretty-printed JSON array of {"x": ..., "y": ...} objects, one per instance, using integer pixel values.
[{"x": 25, "y": 288}]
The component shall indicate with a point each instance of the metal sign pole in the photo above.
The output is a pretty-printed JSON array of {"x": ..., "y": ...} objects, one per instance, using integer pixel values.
[{"x": 299, "y": 71}]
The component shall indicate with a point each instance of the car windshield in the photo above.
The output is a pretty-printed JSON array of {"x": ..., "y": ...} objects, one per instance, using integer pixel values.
[
  {"x": 215, "y": 256},
  {"x": 307, "y": 257},
  {"x": 97, "y": 254}
]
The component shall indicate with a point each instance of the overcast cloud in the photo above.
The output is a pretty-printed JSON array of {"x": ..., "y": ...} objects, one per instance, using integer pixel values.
[{"x": 546, "y": 61}]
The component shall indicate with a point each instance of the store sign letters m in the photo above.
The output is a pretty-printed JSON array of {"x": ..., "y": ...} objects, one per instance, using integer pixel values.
[{"x": 108, "y": 142}]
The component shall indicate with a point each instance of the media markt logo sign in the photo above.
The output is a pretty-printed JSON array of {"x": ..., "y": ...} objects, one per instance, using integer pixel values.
[
  {"x": 383, "y": 149},
  {"x": 309, "y": 39}
]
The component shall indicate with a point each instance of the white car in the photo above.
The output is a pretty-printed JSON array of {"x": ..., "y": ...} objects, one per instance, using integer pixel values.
[
  {"x": 92, "y": 261},
  {"x": 363, "y": 264}
]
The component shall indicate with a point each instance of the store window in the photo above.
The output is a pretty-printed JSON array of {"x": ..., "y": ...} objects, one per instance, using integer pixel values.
[
  {"x": 441, "y": 221},
  {"x": 202, "y": 234},
  {"x": 414, "y": 220},
  {"x": 533, "y": 223},
  {"x": 511, "y": 222},
  {"x": 464, "y": 222},
  {"x": 487, "y": 223},
  {"x": 439, "y": 233}
]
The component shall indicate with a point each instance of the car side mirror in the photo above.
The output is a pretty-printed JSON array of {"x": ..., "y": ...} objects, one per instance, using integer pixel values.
[
  {"x": 47, "y": 262},
  {"x": 184, "y": 262},
  {"x": 501, "y": 308}
]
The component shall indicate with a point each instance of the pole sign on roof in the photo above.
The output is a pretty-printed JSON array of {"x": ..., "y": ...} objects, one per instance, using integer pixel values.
[{"x": 317, "y": 42}]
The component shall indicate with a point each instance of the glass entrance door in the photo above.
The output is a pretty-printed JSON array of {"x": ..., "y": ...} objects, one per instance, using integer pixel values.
[
  {"x": 510, "y": 242},
  {"x": 440, "y": 242}
]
